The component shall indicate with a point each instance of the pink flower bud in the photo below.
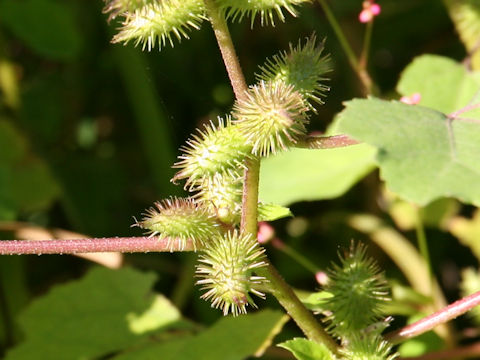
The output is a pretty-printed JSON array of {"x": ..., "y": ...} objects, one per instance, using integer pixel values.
[
  {"x": 412, "y": 99},
  {"x": 370, "y": 10},
  {"x": 321, "y": 277},
  {"x": 375, "y": 9},
  {"x": 265, "y": 232},
  {"x": 365, "y": 16}
]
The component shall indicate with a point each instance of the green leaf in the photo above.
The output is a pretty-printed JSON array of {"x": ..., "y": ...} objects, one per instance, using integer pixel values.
[
  {"x": 26, "y": 183},
  {"x": 105, "y": 311},
  {"x": 307, "y": 175},
  {"x": 466, "y": 17},
  {"x": 315, "y": 301},
  {"x": 271, "y": 212},
  {"x": 422, "y": 154},
  {"x": 304, "y": 349},
  {"x": 47, "y": 26},
  {"x": 443, "y": 84},
  {"x": 231, "y": 338}
]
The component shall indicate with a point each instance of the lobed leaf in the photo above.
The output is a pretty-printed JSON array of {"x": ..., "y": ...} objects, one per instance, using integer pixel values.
[{"x": 422, "y": 153}]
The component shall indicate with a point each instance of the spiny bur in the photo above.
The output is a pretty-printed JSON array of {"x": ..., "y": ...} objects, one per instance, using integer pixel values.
[
  {"x": 367, "y": 347},
  {"x": 115, "y": 8},
  {"x": 180, "y": 220},
  {"x": 223, "y": 194},
  {"x": 226, "y": 272},
  {"x": 216, "y": 149},
  {"x": 304, "y": 67},
  {"x": 272, "y": 117},
  {"x": 160, "y": 22},
  {"x": 359, "y": 292},
  {"x": 265, "y": 9}
]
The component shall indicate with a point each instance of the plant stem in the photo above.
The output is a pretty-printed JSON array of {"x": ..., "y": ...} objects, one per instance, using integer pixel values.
[
  {"x": 326, "y": 142},
  {"x": 352, "y": 58},
  {"x": 357, "y": 66},
  {"x": 89, "y": 245},
  {"x": 299, "y": 313},
  {"x": 422, "y": 241},
  {"x": 281, "y": 290},
  {"x": 442, "y": 316},
  {"x": 227, "y": 49},
  {"x": 295, "y": 255},
  {"x": 251, "y": 180},
  {"x": 366, "y": 46}
]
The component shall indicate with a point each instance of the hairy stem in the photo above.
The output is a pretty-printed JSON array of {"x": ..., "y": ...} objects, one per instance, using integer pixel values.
[
  {"x": 281, "y": 290},
  {"x": 76, "y": 246},
  {"x": 442, "y": 316},
  {"x": 299, "y": 313},
  {"x": 251, "y": 181},
  {"x": 325, "y": 142},
  {"x": 227, "y": 49}
]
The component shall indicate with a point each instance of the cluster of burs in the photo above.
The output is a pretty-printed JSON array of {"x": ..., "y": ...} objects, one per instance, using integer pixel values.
[{"x": 269, "y": 118}]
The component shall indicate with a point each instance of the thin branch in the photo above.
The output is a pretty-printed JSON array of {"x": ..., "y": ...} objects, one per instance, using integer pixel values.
[
  {"x": 89, "y": 245},
  {"x": 428, "y": 323},
  {"x": 471, "y": 351},
  {"x": 463, "y": 110},
  {"x": 227, "y": 49},
  {"x": 326, "y": 142},
  {"x": 352, "y": 58}
]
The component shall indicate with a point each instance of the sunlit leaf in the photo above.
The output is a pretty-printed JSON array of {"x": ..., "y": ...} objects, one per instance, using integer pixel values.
[
  {"x": 304, "y": 349},
  {"x": 301, "y": 174},
  {"x": 422, "y": 153}
]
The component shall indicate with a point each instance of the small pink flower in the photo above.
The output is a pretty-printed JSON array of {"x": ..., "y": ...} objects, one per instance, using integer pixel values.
[
  {"x": 370, "y": 10},
  {"x": 321, "y": 277},
  {"x": 412, "y": 99},
  {"x": 265, "y": 232}
]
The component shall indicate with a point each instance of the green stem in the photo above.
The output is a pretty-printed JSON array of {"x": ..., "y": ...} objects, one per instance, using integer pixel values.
[
  {"x": 250, "y": 196},
  {"x": 366, "y": 45},
  {"x": 356, "y": 65},
  {"x": 227, "y": 49},
  {"x": 352, "y": 58},
  {"x": 295, "y": 255},
  {"x": 422, "y": 241},
  {"x": 294, "y": 307},
  {"x": 281, "y": 290}
]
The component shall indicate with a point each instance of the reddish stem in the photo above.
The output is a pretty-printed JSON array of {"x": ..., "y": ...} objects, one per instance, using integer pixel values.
[
  {"x": 326, "y": 142},
  {"x": 442, "y": 316},
  {"x": 463, "y": 110},
  {"x": 76, "y": 246}
]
